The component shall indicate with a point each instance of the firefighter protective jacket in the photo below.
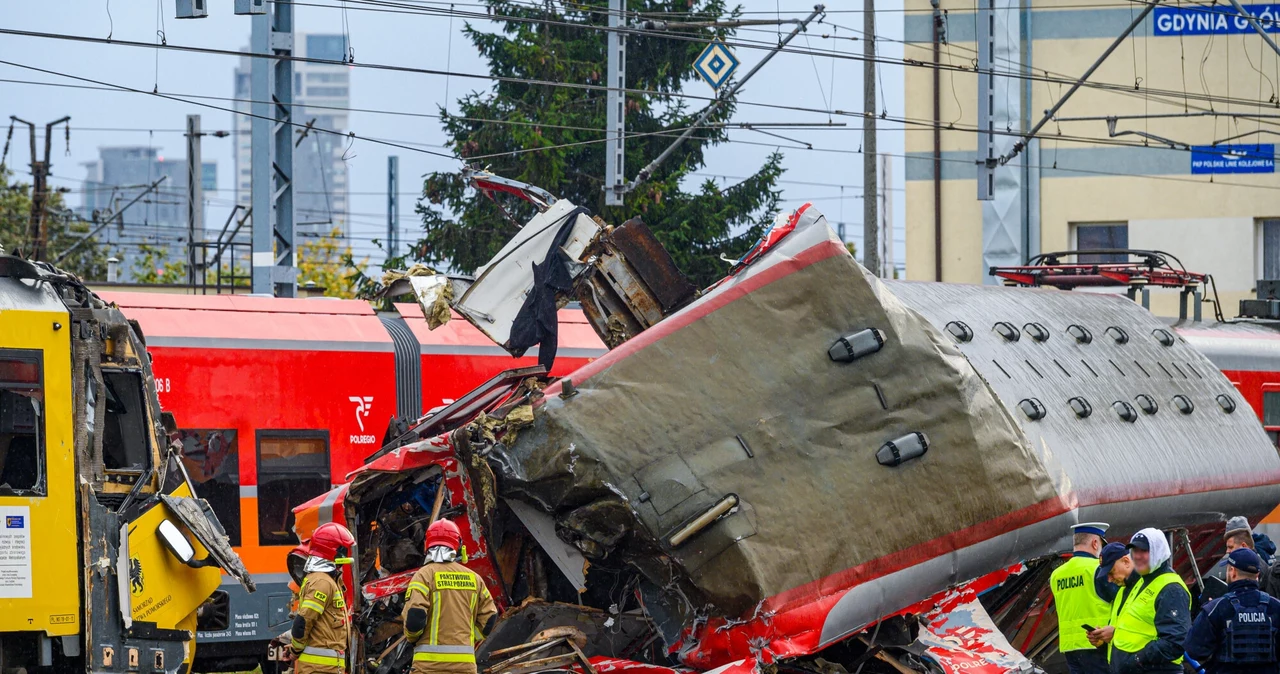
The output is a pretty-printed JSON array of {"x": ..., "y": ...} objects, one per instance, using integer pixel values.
[
  {"x": 322, "y": 649},
  {"x": 458, "y": 606}
]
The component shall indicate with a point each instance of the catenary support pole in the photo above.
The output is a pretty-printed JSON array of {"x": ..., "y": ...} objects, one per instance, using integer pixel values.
[
  {"x": 938, "y": 37},
  {"x": 393, "y": 206},
  {"x": 870, "y": 192},
  {"x": 271, "y": 164},
  {"x": 615, "y": 176},
  {"x": 37, "y": 230},
  {"x": 195, "y": 195}
]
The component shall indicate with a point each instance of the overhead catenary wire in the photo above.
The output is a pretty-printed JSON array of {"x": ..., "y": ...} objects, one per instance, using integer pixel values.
[
  {"x": 925, "y": 123},
  {"x": 767, "y": 143},
  {"x": 767, "y": 45},
  {"x": 1105, "y": 86}
]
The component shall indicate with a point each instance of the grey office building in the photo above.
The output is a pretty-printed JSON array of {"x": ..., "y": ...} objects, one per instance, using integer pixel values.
[{"x": 159, "y": 219}]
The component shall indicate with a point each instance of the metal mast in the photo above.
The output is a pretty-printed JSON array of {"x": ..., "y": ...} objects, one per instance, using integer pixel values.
[
  {"x": 615, "y": 177},
  {"x": 870, "y": 193},
  {"x": 271, "y": 88},
  {"x": 195, "y": 195}
]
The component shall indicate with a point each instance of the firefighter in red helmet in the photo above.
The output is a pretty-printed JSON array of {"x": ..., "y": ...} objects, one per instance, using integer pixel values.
[
  {"x": 320, "y": 627},
  {"x": 447, "y": 608}
]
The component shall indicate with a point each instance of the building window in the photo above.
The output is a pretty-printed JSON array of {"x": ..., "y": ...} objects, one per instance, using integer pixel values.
[
  {"x": 1101, "y": 236},
  {"x": 293, "y": 468},
  {"x": 340, "y": 78},
  {"x": 327, "y": 47},
  {"x": 335, "y": 92},
  {"x": 21, "y": 423},
  {"x": 212, "y": 459},
  {"x": 126, "y": 431},
  {"x": 1269, "y": 233}
]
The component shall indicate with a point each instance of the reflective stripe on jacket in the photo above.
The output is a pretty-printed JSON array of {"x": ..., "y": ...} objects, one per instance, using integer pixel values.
[{"x": 457, "y": 605}]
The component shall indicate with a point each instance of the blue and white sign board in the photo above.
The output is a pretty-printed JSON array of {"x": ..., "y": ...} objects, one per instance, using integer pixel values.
[
  {"x": 715, "y": 64},
  {"x": 1197, "y": 19},
  {"x": 1233, "y": 159}
]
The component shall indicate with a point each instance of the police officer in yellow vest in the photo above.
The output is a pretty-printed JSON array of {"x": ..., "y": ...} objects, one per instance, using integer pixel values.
[
  {"x": 1151, "y": 614},
  {"x": 1082, "y": 604}
]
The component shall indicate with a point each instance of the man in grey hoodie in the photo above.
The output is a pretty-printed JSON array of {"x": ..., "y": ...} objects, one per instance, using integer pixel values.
[{"x": 1151, "y": 614}]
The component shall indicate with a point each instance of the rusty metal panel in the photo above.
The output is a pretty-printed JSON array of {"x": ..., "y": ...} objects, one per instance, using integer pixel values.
[
  {"x": 639, "y": 298},
  {"x": 653, "y": 264}
]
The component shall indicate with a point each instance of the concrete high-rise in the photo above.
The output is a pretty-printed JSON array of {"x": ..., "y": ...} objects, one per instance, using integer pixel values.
[
  {"x": 321, "y": 92},
  {"x": 158, "y": 219}
]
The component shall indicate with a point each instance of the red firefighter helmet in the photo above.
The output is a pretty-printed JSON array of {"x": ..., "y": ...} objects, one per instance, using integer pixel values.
[
  {"x": 443, "y": 532},
  {"x": 333, "y": 542}
]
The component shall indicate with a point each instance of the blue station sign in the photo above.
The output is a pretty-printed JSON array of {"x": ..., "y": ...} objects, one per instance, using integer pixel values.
[
  {"x": 1251, "y": 158},
  {"x": 1196, "y": 19}
]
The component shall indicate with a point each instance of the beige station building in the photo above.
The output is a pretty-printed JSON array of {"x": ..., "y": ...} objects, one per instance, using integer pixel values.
[{"x": 1213, "y": 200}]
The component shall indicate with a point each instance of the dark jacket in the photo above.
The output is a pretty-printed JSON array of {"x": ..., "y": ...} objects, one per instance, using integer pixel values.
[
  {"x": 1215, "y": 583},
  {"x": 1106, "y": 589},
  {"x": 1209, "y": 631},
  {"x": 1269, "y": 581},
  {"x": 1173, "y": 619}
]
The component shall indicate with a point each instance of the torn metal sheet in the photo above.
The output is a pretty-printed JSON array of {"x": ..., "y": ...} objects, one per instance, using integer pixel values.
[
  {"x": 543, "y": 528},
  {"x": 961, "y": 638},
  {"x": 434, "y": 294},
  {"x": 495, "y": 298}
]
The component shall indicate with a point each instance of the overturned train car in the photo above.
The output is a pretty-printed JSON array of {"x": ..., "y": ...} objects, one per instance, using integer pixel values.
[{"x": 805, "y": 460}]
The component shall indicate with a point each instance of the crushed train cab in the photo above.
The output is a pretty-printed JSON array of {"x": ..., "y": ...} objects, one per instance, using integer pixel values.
[{"x": 105, "y": 556}]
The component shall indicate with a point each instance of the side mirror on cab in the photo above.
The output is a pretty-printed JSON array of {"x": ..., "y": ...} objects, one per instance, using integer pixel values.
[{"x": 177, "y": 544}]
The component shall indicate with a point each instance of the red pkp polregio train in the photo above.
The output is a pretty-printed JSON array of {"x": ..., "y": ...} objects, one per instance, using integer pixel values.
[{"x": 278, "y": 399}]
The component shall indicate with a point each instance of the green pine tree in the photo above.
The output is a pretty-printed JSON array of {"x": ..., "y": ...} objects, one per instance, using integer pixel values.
[{"x": 552, "y": 139}]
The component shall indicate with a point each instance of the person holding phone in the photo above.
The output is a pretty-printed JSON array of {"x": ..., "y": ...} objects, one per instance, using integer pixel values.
[{"x": 1151, "y": 614}]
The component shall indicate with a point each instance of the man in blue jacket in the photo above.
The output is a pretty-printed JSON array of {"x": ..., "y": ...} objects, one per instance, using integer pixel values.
[{"x": 1236, "y": 633}]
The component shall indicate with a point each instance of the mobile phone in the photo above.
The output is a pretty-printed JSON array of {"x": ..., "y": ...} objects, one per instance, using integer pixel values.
[{"x": 1088, "y": 628}]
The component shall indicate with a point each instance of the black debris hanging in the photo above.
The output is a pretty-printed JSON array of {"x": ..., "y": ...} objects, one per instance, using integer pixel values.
[{"x": 536, "y": 323}]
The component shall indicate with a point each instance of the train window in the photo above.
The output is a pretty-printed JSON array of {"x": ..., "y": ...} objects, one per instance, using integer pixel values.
[
  {"x": 1271, "y": 408},
  {"x": 212, "y": 459},
  {"x": 21, "y": 423},
  {"x": 125, "y": 430},
  {"x": 293, "y": 468}
]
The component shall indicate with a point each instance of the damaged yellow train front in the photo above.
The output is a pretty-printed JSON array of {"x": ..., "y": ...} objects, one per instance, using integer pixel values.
[{"x": 105, "y": 556}]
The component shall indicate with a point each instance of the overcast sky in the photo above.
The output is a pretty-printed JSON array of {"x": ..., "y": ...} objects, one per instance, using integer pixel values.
[{"x": 421, "y": 41}]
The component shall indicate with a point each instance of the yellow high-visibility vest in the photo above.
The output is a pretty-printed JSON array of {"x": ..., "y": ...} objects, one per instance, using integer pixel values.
[
  {"x": 1077, "y": 602},
  {"x": 1135, "y": 618}
]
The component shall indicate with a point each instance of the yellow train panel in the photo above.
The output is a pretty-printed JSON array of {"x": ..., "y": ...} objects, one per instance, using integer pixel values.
[
  {"x": 163, "y": 590},
  {"x": 39, "y": 554}
]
